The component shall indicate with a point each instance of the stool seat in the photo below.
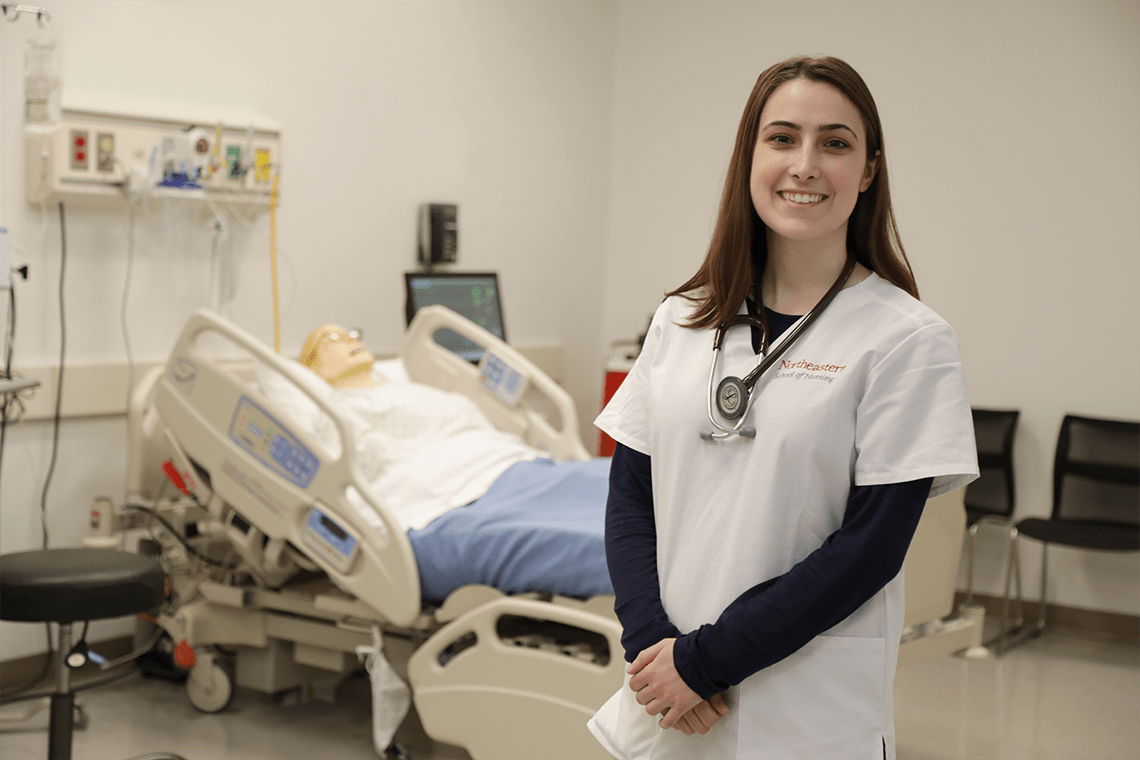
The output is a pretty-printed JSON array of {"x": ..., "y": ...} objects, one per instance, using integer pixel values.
[{"x": 67, "y": 585}]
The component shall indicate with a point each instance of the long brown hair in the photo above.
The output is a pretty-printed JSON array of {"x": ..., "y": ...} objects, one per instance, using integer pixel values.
[{"x": 739, "y": 248}]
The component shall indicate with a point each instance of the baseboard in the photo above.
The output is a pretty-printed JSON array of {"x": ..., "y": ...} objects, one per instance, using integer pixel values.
[
  {"x": 1111, "y": 626},
  {"x": 19, "y": 671}
]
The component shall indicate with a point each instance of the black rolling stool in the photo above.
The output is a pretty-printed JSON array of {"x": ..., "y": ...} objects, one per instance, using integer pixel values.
[{"x": 63, "y": 586}]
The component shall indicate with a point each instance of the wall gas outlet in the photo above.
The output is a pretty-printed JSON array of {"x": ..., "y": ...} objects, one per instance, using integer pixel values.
[
  {"x": 93, "y": 157},
  {"x": 105, "y": 152},
  {"x": 79, "y": 149},
  {"x": 233, "y": 162}
]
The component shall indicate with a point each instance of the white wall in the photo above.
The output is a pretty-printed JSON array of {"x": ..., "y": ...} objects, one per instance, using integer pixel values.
[
  {"x": 585, "y": 143},
  {"x": 1010, "y": 131},
  {"x": 501, "y": 107}
]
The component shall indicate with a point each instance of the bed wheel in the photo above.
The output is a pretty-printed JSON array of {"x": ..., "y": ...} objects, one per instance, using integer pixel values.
[{"x": 210, "y": 686}]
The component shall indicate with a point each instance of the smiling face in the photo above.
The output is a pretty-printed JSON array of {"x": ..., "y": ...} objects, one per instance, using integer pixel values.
[{"x": 809, "y": 164}]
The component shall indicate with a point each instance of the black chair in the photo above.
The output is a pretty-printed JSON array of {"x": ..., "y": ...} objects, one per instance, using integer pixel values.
[
  {"x": 64, "y": 586},
  {"x": 1096, "y": 499},
  {"x": 989, "y": 499}
]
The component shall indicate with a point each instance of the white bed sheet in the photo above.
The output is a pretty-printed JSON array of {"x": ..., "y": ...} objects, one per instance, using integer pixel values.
[{"x": 422, "y": 450}]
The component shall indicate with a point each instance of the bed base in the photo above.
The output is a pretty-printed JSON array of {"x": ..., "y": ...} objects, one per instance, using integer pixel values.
[
  {"x": 506, "y": 676},
  {"x": 502, "y": 676}
]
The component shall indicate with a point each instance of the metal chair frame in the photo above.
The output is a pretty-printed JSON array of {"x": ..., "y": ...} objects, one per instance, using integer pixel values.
[
  {"x": 1062, "y": 465},
  {"x": 1003, "y": 424}
]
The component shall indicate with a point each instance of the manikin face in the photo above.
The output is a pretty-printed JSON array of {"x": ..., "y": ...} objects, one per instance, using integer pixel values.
[
  {"x": 338, "y": 354},
  {"x": 810, "y": 163}
]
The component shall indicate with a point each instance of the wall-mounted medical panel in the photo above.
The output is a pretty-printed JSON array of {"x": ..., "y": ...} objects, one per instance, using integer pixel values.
[{"x": 92, "y": 156}]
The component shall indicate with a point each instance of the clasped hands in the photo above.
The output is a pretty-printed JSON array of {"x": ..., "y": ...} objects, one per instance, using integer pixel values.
[{"x": 662, "y": 691}]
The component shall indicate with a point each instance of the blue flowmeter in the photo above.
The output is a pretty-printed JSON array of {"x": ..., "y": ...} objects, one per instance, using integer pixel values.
[
  {"x": 330, "y": 540},
  {"x": 272, "y": 444}
]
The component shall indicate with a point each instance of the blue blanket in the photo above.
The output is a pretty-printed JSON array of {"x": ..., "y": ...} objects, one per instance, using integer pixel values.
[{"x": 540, "y": 527}]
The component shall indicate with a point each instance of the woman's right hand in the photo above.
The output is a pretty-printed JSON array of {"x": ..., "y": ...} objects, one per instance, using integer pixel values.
[{"x": 703, "y": 717}]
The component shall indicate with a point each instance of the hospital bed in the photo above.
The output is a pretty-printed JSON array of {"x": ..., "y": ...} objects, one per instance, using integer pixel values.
[
  {"x": 280, "y": 575},
  {"x": 303, "y": 575}
]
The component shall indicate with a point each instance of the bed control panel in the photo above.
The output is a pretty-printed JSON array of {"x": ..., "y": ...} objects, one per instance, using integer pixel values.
[
  {"x": 329, "y": 539},
  {"x": 272, "y": 444},
  {"x": 501, "y": 378}
]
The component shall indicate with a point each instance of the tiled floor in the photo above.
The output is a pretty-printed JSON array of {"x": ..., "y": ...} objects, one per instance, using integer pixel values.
[{"x": 1055, "y": 698}]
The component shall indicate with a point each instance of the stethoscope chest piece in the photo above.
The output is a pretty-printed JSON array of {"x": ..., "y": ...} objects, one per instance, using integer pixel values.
[{"x": 731, "y": 398}]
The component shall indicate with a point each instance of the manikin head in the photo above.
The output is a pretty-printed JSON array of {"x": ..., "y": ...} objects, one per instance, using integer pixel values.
[{"x": 338, "y": 357}]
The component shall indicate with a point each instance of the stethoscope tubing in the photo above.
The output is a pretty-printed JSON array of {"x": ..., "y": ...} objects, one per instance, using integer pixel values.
[
  {"x": 768, "y": 358},
  {"x": 725, "y": 432}
]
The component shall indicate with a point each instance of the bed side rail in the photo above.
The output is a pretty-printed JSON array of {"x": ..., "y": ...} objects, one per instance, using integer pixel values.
[
  {"x": 276, "y": 477},
  {"x": 505, "y": 697},
  {"x": 430, "y": 363}
]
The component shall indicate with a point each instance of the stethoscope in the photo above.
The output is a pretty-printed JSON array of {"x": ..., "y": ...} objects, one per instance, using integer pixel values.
[{"x": 734, "y": 396}]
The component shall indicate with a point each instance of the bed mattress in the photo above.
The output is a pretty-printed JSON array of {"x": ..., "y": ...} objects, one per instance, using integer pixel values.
[{"x": 540, "y": 527}]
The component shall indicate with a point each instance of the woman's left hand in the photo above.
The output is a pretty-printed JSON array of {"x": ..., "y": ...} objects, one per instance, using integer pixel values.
[{"x": 658, "y": 685}]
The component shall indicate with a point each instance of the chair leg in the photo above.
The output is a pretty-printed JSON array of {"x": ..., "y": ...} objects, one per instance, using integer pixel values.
[
  {"x": 62, "y": 702},
  {"x": 1013, "y": 568},
  {"x": 1044, "y": 579},
  {"x": 1019, "y": 620},
  {"x": 60, "y": 727},
  {"x": 971, "y": 535}
]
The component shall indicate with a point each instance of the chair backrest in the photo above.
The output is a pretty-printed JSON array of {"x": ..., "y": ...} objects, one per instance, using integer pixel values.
[
  {"x": 1096, "y": 473},
  {"x": 992, "y": 492}
]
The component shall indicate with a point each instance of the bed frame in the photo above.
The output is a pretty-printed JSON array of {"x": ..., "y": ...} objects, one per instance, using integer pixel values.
[{"x": 507, "y": 678}]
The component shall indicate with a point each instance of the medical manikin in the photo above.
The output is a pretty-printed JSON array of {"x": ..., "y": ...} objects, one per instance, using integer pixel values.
[
  {"x": 339, "y": 358},
  {"x": 431, "y": 454},
  {"x": 426, "y": 450}
]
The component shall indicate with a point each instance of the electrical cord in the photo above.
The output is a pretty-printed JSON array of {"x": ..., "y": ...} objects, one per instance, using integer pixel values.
[
  {"x": 12, "y": 403},
  {"x": 55, "y": 427},
  {"x": 149, "y": 645},
  {"x": 8, "y": 404},
  {"x": 126, "y": 297},
  {"x": 59, "y": 380},
  {"x": 17, "y": 695},
  {"x": 123, "y": 322},
  {"x": 176, "y": 534},
  {"x": 9, "y": 399}
]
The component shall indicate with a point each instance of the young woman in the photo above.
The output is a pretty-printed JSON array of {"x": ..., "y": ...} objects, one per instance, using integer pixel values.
[{"x": 755, "y": 535}]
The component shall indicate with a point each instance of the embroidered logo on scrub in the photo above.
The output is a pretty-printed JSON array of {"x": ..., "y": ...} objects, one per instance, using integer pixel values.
[{"x": 805, "y": 370}]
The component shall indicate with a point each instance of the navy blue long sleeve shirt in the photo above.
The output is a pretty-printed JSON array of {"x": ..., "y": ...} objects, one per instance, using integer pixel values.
[{"x": 776, "y": 617}]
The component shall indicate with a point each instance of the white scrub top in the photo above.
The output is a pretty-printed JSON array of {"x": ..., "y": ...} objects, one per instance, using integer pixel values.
[{"x": 873, "y": 393}]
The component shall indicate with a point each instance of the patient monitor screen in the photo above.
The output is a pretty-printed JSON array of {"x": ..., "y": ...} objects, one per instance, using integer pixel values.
[{"x": 475, "y": 296}]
